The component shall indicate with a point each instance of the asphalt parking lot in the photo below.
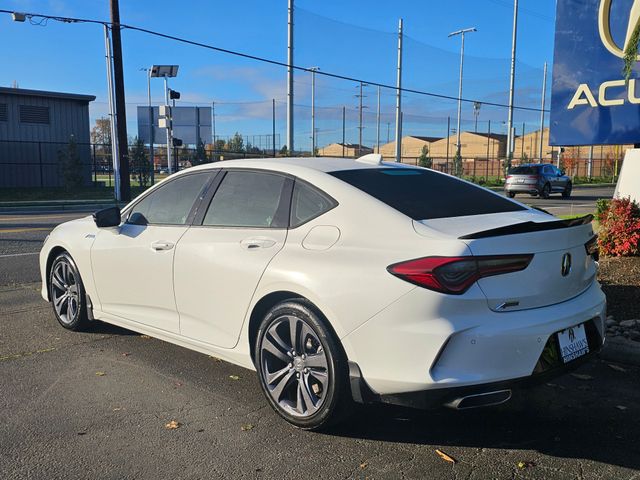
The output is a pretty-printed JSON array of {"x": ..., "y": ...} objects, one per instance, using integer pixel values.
[{"x": 96, "y": 405}]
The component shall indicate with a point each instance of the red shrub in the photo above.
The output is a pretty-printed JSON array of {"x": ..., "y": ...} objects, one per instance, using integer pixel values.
[{"x": 619, "y": 233}]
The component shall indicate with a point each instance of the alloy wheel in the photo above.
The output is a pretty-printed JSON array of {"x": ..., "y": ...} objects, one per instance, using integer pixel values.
[
  {"x": 65, "y": 292},
  {"x": 294, "y": 366}
]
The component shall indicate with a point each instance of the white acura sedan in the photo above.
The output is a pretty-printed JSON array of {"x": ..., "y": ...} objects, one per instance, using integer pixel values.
[{"x": 338, "y": 281}]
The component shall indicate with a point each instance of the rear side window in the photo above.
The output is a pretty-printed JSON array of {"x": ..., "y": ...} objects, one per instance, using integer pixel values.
[
  {"x": 171, "y": 203},
  {"x": 248, "y": 199},
  {"x": 424, "y": 194},
  {"x": 525, "y": 170},
  {"x": 308, "y": 203}
]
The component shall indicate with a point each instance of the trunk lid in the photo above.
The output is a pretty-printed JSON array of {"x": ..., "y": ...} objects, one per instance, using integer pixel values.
[{"x": 560, "y": 269}]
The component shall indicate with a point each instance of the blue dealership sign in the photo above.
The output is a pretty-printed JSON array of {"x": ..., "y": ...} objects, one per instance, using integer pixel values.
[{"x": 591, "y": 103}]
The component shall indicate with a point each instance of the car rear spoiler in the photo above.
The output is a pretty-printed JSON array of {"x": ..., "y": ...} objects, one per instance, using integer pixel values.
[{"x": 528, "y": 227}]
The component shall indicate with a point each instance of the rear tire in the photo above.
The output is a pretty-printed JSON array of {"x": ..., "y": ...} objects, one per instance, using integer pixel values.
[
  {"x": 67, "y": 294},
  {"x": 566, "y": 193},
  {"x": 546, "y": 191},
  {"x": 305, "y": 379}
]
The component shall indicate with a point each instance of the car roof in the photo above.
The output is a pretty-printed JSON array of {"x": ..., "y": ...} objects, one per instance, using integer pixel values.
[{"x": 293, "y": 164}]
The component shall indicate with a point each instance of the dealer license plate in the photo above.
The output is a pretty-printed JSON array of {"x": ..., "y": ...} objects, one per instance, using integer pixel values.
[{"x": 573, "y": 343}]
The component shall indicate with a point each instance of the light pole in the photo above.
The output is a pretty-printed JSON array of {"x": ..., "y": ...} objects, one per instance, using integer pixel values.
[
  {"x": 151, "y": 129},
  {"x": 360, "y": 126},
  {"x": 166, "y": 71},
  {"x": 512, "y": 79},
  {"x": 313, "y": 71},
  {"x": 476, "y": 113},
  {"x": 452, "y": 34}
]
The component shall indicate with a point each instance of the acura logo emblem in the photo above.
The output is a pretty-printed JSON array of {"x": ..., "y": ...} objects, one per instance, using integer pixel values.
[
  {"x": 604, "y": 26},
  {"x": 566, "y": 264}
]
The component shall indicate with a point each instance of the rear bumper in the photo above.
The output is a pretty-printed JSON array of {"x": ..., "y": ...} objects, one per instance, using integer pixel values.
[
  {"x": 521, "y": 188},
  {"x": 418, "y": 344},
  {"x": 482, "y": 394}
]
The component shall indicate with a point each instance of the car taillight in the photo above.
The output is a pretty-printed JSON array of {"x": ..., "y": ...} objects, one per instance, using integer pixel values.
[
  {"x": 592, "y": 248},
  {"x": 454, "y": 275}
]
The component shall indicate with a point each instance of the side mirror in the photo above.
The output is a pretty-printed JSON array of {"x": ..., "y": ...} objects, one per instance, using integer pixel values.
[
  {"x": 562, "y": 172},
  {"x": 108, "y": 217}
]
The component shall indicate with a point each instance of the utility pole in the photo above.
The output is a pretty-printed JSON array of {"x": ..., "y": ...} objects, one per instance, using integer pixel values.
[
  {"x": 378, "y": 124},
  {"x": 344, "y": 112},
  {"x": 512, "y": 79},
  {"x": 213, "y": 123},
  {"x": 273, "y": 126},
  {"x": 461, "y": 33},
  {"x": 121, "y": 115},
  {"x": 544, "y": 96},
  {"x": 360, "y": 126},
  {"x": 115, "y": 158},
  {"x": 290, "y": 145},
  {"x": 399, "y": 96},
  {"x": 313, "y": 109}
]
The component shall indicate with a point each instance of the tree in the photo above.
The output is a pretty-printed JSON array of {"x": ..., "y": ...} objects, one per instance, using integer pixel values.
[
  {"x": 236, "y": 144},
  {"x": 140, "y": 163},
  {"x": 71, "y": 165},
  {"x": 457, "y": 165},
  {"x": 284, "y": 152},
  {"x": 101, "y": 132},
  {"x": 424, "y": 160},
  {"x": 200, "y": 156},
  {"x": 219, "y": 145}
]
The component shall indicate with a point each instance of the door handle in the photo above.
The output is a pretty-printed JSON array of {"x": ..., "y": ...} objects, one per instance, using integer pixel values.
[
  {"x": 162, "y": 246},
  {"x": 253, "y": 243}
]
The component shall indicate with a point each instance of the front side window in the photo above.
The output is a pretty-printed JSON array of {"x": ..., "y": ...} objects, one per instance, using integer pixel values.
[
  {"x": 171, "y": 203},
  {"x": 308, "y": 203},
  {"x": 248, "y": 199}
]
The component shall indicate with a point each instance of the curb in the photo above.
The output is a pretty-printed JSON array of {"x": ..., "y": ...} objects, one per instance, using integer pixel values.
[
  {"x": 54, "y": 208},
  {"x": 621, "y": 350}
]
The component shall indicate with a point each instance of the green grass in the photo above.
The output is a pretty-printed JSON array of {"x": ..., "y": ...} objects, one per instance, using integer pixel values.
[{"x": 594, "y": 222}]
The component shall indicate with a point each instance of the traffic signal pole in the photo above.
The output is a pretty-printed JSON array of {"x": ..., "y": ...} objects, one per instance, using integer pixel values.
[{"x": 121, "y": 115}]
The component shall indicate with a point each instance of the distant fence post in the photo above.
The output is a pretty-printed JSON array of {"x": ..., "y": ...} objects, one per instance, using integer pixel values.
[
  {"x": 40, "y": 164},
  {"x": 95, "y": 169}
]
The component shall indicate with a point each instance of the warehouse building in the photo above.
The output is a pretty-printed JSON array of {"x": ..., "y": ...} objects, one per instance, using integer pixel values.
[{"x": 35, "y": 128}]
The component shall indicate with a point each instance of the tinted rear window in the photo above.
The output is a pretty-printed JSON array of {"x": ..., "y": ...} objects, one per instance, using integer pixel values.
[
  {"x": 525, "y": 170},
  {"x": 424, "y": 194}
]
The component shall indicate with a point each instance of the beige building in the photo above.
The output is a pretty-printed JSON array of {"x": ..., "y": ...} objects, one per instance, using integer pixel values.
[
  {"x": 528, "y": 147},
  {"x": 411, "y": 147},
  {"x": 344, "y": 150},
  {"x": 472, "y": 145}
]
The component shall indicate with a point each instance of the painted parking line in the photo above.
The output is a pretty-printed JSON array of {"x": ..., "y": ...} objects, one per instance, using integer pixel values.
[
  {"x": 22, "y": 230},
  {"x": 7, "y": 255}
]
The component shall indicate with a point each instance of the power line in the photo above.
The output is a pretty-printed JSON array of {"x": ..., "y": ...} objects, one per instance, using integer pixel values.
[{"x": 263, "y": 59}]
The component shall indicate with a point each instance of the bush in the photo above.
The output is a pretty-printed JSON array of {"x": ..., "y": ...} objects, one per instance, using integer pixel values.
[
  {"x": 602, "y": 205},
  {"x": 619, "y": 233}
]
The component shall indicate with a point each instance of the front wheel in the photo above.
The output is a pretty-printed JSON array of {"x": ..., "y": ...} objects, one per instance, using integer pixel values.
[
  {"x": 302, "y": 369},
  {"x": 566, "y": 193},
  {"x": 511, "y": 194},
  {"x": 67, "y": 293}
]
